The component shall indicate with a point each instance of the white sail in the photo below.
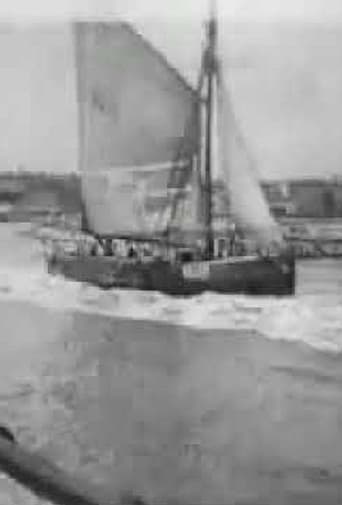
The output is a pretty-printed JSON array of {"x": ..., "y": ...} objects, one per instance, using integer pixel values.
[
  {"x": 248, "y": 205},
  {"x": 133, "y": 112}
]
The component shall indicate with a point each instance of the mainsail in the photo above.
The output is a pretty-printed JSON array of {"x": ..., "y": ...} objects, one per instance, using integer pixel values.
[
  {"x": 134, "y": 110},
  {"x": 141, "y": 127}
]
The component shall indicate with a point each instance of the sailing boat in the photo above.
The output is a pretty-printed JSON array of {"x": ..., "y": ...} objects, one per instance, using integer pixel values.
[{"x": 155, "y": 157}]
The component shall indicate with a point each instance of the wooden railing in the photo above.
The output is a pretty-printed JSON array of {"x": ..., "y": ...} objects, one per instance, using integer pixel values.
[{"x": 48, "y": 481}]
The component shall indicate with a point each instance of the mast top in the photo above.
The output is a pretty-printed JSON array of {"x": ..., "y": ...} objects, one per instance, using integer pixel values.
[
  {"x": 210, "y": 60},
  {"x": 212, "y": 22}
]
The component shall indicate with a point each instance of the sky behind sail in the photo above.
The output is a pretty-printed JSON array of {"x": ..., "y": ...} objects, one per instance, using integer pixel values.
[
  {"x": 285, "y": 75},
  {"x": 246, "y": 9}
]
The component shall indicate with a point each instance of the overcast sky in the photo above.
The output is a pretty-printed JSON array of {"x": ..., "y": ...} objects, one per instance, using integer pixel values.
[
  {"x": 286, "y": 82},
  {"x": 253, "y": 9}
]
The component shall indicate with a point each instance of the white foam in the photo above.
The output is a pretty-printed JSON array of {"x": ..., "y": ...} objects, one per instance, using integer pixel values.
[{"x": 314, "y": 319}]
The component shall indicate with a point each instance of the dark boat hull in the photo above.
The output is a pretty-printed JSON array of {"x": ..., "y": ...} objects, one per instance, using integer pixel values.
[{"x": 250, "y": 275}]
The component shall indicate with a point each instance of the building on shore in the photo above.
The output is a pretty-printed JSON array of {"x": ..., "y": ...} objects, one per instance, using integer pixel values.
[{"x": 309, "y": 197}]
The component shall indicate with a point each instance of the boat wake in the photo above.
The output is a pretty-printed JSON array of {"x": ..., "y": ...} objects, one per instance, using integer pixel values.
[{"x": 311, "y": 318}]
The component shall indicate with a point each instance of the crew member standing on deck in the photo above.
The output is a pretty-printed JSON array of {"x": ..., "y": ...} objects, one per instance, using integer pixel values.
[
  {"x": 232, "y": 241},
  {"x": 132, "y": 253}
]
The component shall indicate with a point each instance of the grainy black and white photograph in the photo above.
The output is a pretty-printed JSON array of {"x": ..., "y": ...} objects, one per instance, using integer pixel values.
[{"x": 171, "y": 252}]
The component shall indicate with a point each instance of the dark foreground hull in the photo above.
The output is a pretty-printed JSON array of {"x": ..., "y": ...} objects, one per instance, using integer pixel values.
[{"x": 242, "y": 274}]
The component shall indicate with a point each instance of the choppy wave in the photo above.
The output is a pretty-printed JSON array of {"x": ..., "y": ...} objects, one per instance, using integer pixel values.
[{"x": 311, "y": 318}]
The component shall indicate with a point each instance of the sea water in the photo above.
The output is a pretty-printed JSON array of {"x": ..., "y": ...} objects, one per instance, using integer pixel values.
[{"x": 213, "y": 399}]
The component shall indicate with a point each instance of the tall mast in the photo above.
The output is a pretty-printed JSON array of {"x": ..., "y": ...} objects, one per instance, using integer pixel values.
[{"x": 210, "y": 69}]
